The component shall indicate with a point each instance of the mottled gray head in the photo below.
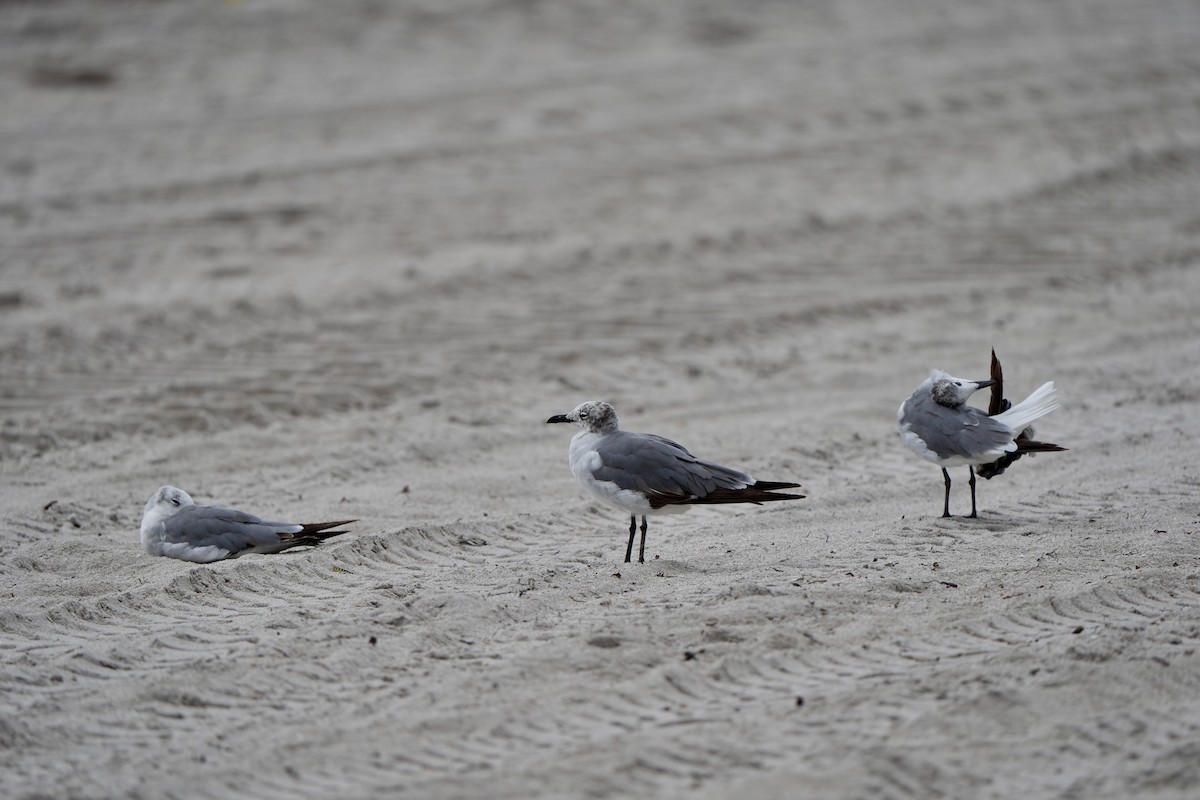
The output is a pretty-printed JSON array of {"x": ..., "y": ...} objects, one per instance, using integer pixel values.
[
  {"x": 952, "y": 392},
  {"x": 593, "y": 416},
  {"x": 168, "y": 498}
]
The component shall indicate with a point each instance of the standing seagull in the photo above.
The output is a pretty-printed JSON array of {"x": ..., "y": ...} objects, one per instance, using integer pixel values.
[
  {"x": 647, "y": 474},
  {"x": 937, "y": 425},
  {"x": 175, "y": 527}
]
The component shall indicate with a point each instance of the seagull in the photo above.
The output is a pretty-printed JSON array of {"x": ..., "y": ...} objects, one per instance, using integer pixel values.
[
  {"x": 935, "y": 423},
  {"x": 646, "y": 474},
  {"x": 175, "y": 527}
]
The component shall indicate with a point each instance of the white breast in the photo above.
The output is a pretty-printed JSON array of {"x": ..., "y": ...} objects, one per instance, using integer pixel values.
[{"x": 584, "y": 461}]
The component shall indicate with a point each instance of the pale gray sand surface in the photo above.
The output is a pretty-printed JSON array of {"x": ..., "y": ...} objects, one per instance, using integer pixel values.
[{"x": 363, "y": 250}]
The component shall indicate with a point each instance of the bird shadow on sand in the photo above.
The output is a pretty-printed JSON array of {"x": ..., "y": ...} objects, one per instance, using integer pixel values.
[{"x": 992, "y": 522}]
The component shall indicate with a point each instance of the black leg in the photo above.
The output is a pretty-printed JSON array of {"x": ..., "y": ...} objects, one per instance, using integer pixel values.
[
  {"x": 972, "y": 469},
  {"x": 946, "y": 507},
  {"x": 632, "y": 531},
  {"x": 642, "y": 548}
]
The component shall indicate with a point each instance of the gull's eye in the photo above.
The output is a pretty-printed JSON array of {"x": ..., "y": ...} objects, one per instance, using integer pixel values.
[
  {"x": 174, "y": 501},
  {"x": 583, "y": 415},
  {"x": 958, "y": 383}
]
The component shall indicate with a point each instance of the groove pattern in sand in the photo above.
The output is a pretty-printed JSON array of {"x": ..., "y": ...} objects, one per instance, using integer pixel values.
[{"x": 751, "y": 234}]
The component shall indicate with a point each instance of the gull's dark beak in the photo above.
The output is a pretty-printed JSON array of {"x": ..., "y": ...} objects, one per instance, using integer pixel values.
[
  {"x": 982, "y": 384},
  {"x": 558, "y": 418}
]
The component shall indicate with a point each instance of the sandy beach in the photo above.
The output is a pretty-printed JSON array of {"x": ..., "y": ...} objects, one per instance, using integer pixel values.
[{"x": 332, "y": 260}]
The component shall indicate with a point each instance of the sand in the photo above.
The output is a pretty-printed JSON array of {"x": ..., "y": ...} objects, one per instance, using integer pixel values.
[{"x": 324, "y": 260}]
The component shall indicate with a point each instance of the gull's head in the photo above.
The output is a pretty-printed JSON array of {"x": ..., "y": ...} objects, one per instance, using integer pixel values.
[
  {"x": 166, "y": 501},
  {"x": 950, "y": 391},
  {"x": 593, "y": 416}
]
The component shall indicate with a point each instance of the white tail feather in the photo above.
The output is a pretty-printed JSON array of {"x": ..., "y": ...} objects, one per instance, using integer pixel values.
[{"x": 1031, "y": 409}]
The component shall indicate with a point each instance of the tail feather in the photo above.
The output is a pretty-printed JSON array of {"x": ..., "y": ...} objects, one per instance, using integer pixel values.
[
  {"x": 1031, "y": 409},
  {"x": 997, "y": 403},
  {"x": 999, "y": 407},
  {"x": 989, "y": 471},
  {"x": 316, "y": 527},
  {"x": 314, "y": 533},
  {"x": 1027, "y": 446},
  {"x": 311, "y": 535},
  {"x": 751, "y": 494},
  {"x": 770, "y": 486}
]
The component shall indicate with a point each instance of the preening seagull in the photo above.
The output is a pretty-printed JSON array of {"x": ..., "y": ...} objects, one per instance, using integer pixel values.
[
  {"x": 646, "y": 474},
  {"x": 175, "y": 527},
  {"x": 937, "y": 425}
]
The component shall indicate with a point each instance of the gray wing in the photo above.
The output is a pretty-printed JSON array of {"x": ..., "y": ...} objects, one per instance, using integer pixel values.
[
  {"x": 225, "y": 528},
  {"x": 966, "y": 431},
  {"x": 661, "y": 469}
]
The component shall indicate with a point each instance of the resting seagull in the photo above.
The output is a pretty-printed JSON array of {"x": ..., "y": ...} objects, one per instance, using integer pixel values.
[
  {"x": 175, "y": 527},
  {"x": 937, "y": 425},
  {"x": 647, "y": 474}
]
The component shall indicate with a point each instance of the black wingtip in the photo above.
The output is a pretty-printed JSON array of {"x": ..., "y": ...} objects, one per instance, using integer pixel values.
[
  {"x": 996, "y": 403},
  {"x": 312, "y": 536},
  {"x": 768, "y": 486},
  {"x": 1024, "y": 447},
  {"x": 323, "y": 535},
  {"x": 750, "y": 494},
  {"x": 1039, "y": 447},
  {"x": 317, "y": 527}
]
